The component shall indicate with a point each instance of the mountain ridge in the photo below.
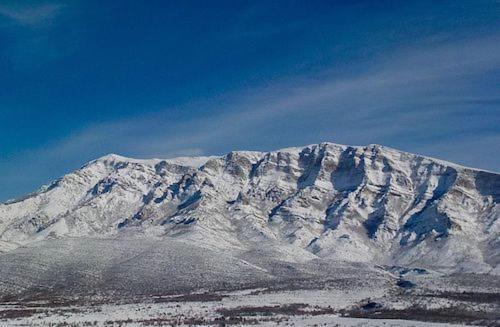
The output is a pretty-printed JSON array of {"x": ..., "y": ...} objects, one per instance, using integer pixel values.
[
  {"x": 115, "y": 156},
  {"x": 337, "y": 202}
]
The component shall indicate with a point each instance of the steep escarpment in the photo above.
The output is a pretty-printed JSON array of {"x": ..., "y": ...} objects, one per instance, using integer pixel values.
[{"x": 326, "y": 201}]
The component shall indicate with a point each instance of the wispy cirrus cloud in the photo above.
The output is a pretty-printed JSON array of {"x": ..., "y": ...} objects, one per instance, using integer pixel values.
[
  {"x": 27, "y": 29},
  {"x": 436, "y": 99},
  {"x": 30, "y": 15}
]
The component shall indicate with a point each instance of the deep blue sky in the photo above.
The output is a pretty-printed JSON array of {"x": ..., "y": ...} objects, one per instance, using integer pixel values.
[{"x": 80, "y": 79}]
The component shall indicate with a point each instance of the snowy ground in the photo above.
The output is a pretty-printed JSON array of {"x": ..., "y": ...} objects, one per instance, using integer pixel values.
[
  {"x": 263, "y": 306},
  {"x": 147, "y": 282},
  {"x": 185, "y": 314}
]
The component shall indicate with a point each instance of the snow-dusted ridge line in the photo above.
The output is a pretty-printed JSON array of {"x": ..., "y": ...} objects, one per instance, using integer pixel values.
[
  {"x": 194, "y": 162},
  {"x": 375, "y": 145},
  {"x": 337, "y": 202},
  {"x": 198, "y": 161}
]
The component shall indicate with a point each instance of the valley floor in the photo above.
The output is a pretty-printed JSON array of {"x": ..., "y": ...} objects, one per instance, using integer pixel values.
[{"x": 428, "y": 302}]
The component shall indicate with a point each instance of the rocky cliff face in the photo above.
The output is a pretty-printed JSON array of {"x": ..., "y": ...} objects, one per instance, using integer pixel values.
[{"x": 370, "y": 204}]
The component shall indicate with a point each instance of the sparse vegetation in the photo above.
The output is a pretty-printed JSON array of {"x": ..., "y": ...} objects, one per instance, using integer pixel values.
[{"x": 271, "y": 303}]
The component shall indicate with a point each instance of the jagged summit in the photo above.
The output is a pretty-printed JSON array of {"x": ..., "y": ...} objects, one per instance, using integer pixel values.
[
  {"x": 113, "y": 158},
  {"x": 198, "y": 161},
  {"x": 350, "y": 203}
]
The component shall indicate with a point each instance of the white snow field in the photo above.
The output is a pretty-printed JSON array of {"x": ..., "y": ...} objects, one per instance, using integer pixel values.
[
  {"x": 271, "y": 309},
  {"x": 329, "y": 233}
]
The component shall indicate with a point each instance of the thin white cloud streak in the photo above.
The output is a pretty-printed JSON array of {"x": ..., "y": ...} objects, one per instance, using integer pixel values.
[
  {"x": 388, "y": 85},
  {"x": 396, "y": 98},
  {"x": 30, "y": 42},
  {"x": 30, "y": 15}
]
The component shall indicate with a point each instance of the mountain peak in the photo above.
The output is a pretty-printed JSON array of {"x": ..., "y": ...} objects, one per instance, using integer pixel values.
[
  {"x": 113, "y": 157},
  {"x": 355, "y": 203}
]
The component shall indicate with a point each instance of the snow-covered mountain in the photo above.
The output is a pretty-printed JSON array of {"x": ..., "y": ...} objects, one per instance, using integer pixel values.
[{"x": 325, "y": 201}]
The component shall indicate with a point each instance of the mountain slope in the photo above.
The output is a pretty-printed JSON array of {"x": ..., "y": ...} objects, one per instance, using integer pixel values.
[{"x": 368, "y": 204}]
